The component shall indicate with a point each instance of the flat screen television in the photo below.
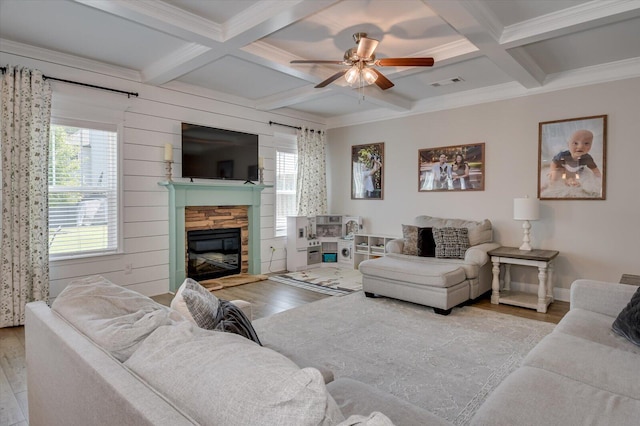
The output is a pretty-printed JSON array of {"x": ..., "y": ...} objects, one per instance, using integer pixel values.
[{"x": 218, "y": 154}]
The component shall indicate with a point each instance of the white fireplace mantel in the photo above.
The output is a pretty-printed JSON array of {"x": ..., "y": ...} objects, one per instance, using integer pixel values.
[{"x": 214, "y": 193}]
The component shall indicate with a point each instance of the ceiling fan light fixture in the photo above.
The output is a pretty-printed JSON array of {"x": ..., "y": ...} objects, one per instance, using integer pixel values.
[
  {"x": 352, "y": 75},
  {"x": 361, "y": 61},
  {"x": 369, "y": 76}
]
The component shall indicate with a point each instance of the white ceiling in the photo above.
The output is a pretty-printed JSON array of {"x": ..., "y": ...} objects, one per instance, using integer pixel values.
[{"x": 243, "y": 48}]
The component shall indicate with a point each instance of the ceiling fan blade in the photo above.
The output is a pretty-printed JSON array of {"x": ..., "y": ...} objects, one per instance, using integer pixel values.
[
  {"x": 383, "y": 82},
  {"x": 331, "y": 79},
  {"x": 366, "y": 46},
  {"x": 314, "y": 61},
  {"x": 405, "y": 62}
]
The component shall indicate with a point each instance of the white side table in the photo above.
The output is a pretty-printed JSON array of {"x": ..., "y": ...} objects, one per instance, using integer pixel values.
[{"x": 542, "y": 259}]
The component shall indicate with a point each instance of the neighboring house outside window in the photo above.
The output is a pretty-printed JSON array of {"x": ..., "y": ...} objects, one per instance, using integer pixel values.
[
  {"x": 286, "y": 176},
  {"x": 83, "y": 189}
]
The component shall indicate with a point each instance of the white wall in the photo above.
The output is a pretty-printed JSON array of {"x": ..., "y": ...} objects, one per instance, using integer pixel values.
[
  {"x": 148, "y": 122},
  {"x": 596, "y": 239}
]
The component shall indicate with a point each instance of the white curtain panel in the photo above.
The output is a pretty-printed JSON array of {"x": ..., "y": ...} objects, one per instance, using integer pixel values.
[
  {"x": 24, "y": 140},
  {"x": 312, "y": 179}
]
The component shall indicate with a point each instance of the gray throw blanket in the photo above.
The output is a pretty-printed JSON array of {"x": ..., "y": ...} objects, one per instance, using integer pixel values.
[{"x": 231, "y": 319}]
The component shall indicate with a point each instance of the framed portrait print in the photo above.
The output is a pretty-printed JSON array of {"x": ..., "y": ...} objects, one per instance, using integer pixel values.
[
  {"x": 367, "y": 171},
  {"x": 572, "y": 159},
  {"x": 451, "y": 168}
]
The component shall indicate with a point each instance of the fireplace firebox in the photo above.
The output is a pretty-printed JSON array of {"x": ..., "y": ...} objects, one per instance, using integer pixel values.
[{"x": 213, "y": 253}]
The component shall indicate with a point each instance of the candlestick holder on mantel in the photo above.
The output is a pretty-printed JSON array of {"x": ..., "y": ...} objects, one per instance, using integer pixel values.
[
  {"x": 167, "y": 170},
  {"x": 261, "y": 175}
]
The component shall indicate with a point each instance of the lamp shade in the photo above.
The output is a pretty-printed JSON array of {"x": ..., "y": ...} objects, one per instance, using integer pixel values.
[{"x": 526, "y": 209}]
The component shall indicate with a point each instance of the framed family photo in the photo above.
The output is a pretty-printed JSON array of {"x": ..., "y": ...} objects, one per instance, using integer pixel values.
[
  {"x": 451, "y": 168},
  {"x": 367, "y": 171},
  {"x": 572, "y": 158}
]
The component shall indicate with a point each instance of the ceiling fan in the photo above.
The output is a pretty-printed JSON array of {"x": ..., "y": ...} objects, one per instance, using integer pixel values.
[{"x": 361, "y": 62}]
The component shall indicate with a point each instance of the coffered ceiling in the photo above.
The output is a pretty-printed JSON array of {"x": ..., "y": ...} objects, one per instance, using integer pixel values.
[{"x": 241, "y": 49}]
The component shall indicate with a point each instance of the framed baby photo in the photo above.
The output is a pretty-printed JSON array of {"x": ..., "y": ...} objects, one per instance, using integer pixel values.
[
  {"x": 572, "y": 156},
  {"x": 451, "y": 168},
  {"x": 367, "y": 171}
]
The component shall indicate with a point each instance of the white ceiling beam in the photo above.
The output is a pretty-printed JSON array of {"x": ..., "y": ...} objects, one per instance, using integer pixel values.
[
  {"x": 219, "y": 39},
  {"x": 247, "y": 27},
  {"x": 573, "y": 19},
  {"x": 290, "y": 97},
  {"x": 177, "y": 63},
  {"x": 478, "y": 24},
  {"x": 163, "y": 17},
  {"x": 267, "y": 17}
]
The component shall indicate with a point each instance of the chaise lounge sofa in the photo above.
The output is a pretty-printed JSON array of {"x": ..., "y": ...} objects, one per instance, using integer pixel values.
[{"x": 440, "y": 279}]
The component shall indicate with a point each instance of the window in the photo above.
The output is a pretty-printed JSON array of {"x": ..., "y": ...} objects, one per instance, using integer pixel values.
[
  {"x": 83, "y": 189},
  {"x": 286, "y": 176}
]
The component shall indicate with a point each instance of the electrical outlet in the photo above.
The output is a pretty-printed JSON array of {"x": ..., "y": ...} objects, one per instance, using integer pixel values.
[
  {"x": 273, "y": 249},
  {"x": 128, "y": 268}
]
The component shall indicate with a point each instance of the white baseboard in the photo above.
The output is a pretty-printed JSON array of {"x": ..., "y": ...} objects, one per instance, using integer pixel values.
[{"x": 561, "y": 294}]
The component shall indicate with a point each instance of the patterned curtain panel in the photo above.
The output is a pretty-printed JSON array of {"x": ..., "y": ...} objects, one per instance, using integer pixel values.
[
  {"x": 312, "y": 180},
  {"x": 24, "y": 140}
]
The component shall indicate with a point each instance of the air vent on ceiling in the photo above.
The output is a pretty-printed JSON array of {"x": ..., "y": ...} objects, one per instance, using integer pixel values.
[{"x": 447, "y": 82}]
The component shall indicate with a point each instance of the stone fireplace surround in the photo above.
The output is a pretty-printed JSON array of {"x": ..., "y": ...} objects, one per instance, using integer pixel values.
[
  {"x": 221, "y": 195},
  {"x": 220, "y": 217}
]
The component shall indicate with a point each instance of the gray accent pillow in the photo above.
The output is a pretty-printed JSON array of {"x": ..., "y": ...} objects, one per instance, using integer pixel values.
[
  {"x": 410, "y": 235},
  {"x": 202, "y": 305},
  {"x": 627, "y": 324},
  {"x": 451, "y": 243}
]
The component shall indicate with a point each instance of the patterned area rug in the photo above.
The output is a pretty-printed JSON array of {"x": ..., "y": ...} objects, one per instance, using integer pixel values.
[
  {"x": 327, "y": 280},
  {"x": 445, "y": 364}
]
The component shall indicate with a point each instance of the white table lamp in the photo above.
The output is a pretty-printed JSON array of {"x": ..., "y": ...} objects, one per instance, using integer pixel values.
[{"x": 526, "y": 209}]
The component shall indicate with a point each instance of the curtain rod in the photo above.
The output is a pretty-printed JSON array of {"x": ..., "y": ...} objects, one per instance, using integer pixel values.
[
  {"x": 129, "y": 94},
  {"x": 292, "y": 127}
]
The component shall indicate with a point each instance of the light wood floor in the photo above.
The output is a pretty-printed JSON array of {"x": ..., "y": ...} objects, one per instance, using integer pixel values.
[{"x": 267, "y": 298}]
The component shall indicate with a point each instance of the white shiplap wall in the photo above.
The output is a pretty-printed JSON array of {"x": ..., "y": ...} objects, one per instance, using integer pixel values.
[{"x": 147, "y": 123}]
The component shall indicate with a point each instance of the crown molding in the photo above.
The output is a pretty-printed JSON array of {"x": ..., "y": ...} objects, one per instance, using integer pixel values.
[
  {"x": 582, "y": 16},
  {"x": 620, "y": 70},
  {"x": 63, "y": 59}
]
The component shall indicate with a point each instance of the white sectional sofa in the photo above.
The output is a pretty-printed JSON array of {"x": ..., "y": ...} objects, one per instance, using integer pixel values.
[
  {"x": 105, "y": 355},
  {"x": 441, "y": 283},
  {"x": 583, "y": 373},
  {"x": 134, "y": 362}
]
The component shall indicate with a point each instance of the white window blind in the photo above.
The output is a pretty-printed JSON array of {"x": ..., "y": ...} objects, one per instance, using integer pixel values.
[
  {"x": 83, "y": 190},
  {"x": 286, "y": 176}
]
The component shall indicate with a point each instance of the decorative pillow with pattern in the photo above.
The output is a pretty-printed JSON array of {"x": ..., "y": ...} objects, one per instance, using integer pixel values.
[
  {"x": 202, "y": 305},
  {"x": 410, "y": 235},
  {"x": 451, "y": 243},
  {"x": 627, "y": 324}
]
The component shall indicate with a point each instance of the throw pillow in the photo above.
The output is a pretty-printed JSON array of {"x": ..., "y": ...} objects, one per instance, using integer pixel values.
[
  {"x": 451, "y": 243},
  {"x": 203, "y": 308},
  {"x": 202, "y": 305},
  {"x": 410, "y": 235},
  {"x": 178, "y": 303},
  {"x": 426, "y": 243},
  {"x": 231, "y": 319},
  {"x": 627, "y": 324}
]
